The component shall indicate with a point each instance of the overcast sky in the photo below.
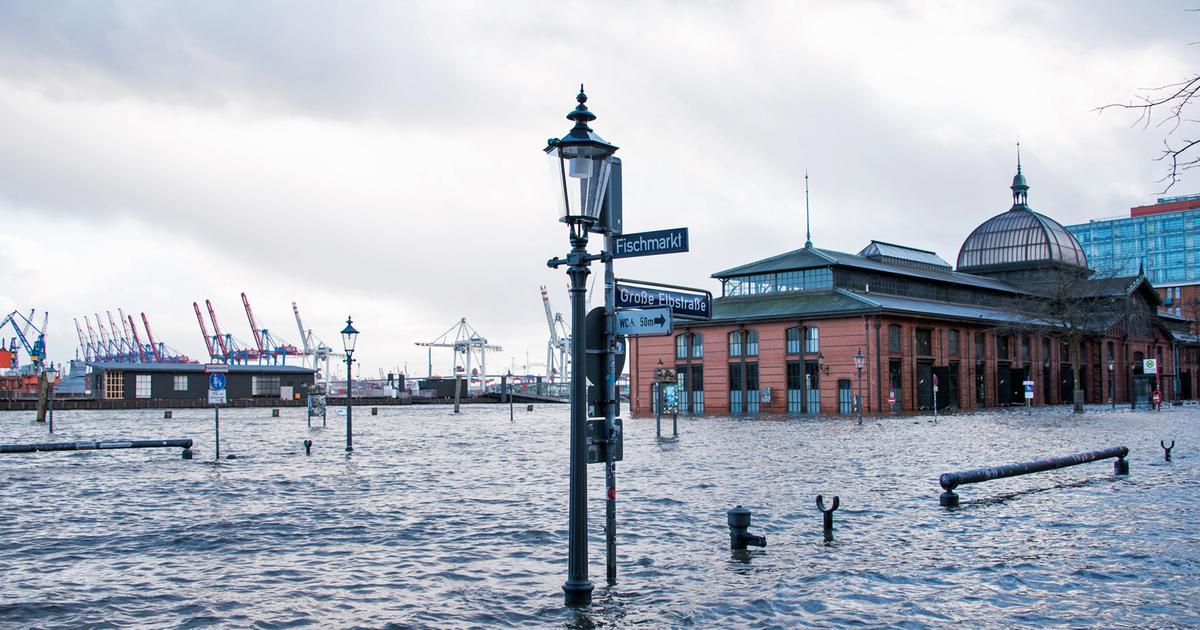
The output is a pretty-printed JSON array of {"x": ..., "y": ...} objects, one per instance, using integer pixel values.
[{"x": 384, "y": 159}]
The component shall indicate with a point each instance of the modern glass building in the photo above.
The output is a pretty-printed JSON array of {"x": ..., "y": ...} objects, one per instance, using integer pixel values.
[{"x": 1164, "y": 238}]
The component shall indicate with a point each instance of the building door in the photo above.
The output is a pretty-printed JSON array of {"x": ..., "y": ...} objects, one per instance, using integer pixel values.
[
  {"x": 947, "y": 380},
  {"x": 1185, "y": 385},
  {"x": 1019, "y": 376},
  {"x": 924, "y": 386},
  {"x": 980, "y": 384},
  {"x": 1046, "y": 385},
  {"x": 1066, "y": 384},
  {"x": 894, "y": 380},
  {"x": 812, "y": 383},
  {"x": 1003, "y": 385},
  {"x": 845, "y": 397},
  {"x": 1143, "y": 384}
]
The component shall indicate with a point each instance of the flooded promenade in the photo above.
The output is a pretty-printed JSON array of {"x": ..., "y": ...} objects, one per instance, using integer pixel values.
[{"x": 449, "y": 520}]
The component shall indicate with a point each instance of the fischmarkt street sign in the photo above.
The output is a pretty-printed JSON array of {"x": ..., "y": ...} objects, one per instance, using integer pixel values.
[
  {"x": 672, "y": 241},
  {"x": 645, "y": 322}
]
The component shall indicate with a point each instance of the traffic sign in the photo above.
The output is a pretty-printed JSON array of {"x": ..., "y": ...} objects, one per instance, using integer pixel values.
[
  {"x": 697, "y": 305},
  {"x": 651, "y": 321},
  {"x": 216, "y": 388},
  {"x": 210, "y": 368},
  {"x": 1150, "y": 366},
  {"x": 673, "y": 241},
  {"x": 596, "y": 359},
  {"x": 1028, "y": 389}
]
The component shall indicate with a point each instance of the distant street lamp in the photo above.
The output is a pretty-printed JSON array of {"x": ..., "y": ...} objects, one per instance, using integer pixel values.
[
  {"x": 858, "y": 364},
  {"x": 1112, "y": 395},
  {"x": 349, "y": 338},
  {"x": 580, "y": 163}
]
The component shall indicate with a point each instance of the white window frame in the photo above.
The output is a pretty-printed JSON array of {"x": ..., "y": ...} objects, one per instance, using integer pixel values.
[{"x": 142, "y": 385}]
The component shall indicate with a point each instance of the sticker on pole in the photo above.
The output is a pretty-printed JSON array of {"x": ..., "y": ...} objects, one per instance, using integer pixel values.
[{"x": 216, "y": 388}]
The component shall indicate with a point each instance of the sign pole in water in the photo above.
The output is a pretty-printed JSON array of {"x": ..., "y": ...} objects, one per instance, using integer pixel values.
[{"x": 216, "y": 397}]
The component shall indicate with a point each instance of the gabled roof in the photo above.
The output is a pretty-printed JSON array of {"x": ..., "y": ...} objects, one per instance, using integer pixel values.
[
  {"x": 813, "y": 257},
  {"x": 789, "y": 304},
  {"x": 1123, "y": 286}
]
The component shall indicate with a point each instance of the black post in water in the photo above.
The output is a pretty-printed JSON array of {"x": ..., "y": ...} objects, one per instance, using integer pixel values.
[
  {"x": 582, "y": 162},
  {"x": 217, "y": 432},
  {"x": 94, "y": 446},
  {"x": 349, "y": 339},
  {"x": 610, "y": 411},
  {"x": 508, "y": 391}
]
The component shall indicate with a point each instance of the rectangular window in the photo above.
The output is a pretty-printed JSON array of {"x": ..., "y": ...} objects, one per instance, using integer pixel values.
[
  {"x": 114, "y": 385},
  {"x": 697, "y": 346},
  {"x": 735, "y": 343},
  {"x": 924, "y": 342},
  {"x": 811, "y": 340},
  {"x": 1025, "y": 354},
  {"x": 181, "y": 382},
  {"x": 264, "y": 385},
  {"x": 952, "y": 342},
  {"x": 142, "y": 385},
  {"x": 681, "y": 346},
  {"x": 893, "y": 338},
  {"x": 751, "y": 343},
  {"x": 979, "y": 345},
  {"x": 1002, "y": 347},
  {"x": 793, "y": 341}
]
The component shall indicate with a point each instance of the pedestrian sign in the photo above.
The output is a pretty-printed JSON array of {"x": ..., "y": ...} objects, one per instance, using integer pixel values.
[
  {"x": 1028, "y": 390},
  {"x": 216, "y": 388}
]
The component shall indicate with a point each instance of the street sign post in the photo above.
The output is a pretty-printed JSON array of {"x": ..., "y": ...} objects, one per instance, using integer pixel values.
[
  {"x": 650, "y": 321},
  {"x": 216, "y": 397},
  {"x": 216, "y": 388},
  {"x": 694, "y": 305},
  {"x": 1028, "y": 389},
  {"x": 672, "y": 241}
]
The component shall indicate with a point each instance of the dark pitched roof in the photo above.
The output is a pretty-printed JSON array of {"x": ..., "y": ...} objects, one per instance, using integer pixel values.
[
  {"x": 197, "y": 367},
  {"x": 811, "y": 257},
  {"x": 797, "y": 304},
  {"x": 904, "y": 253}
]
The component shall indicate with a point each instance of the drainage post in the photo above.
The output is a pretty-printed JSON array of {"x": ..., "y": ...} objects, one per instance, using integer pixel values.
[{"x": 217, "y": 432}]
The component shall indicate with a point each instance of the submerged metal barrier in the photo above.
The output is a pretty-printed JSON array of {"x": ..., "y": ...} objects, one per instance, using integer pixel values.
[
  {"x": 185, "y": 444},
  {"x": 950, "y": 481}
]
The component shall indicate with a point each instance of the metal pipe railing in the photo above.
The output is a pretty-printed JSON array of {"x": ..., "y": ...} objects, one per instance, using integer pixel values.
[
  {"x": 950, "y": 481},
  {"x": 94, "y": 446}
]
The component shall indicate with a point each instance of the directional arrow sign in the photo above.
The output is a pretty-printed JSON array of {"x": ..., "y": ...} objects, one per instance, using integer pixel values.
[
  {"x": 672, "y": 241},
  {"x": 651, "y": 321},
  {"x": 683, "y": 304}
]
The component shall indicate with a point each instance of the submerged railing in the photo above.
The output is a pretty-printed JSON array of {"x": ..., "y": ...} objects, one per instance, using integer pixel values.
[
  {"x": 950, "y": 481},
  {"x": 185, "y": 444}
]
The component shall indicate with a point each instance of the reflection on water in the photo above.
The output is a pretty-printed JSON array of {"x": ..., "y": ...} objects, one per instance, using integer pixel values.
[{"x": 439, "y": 519}]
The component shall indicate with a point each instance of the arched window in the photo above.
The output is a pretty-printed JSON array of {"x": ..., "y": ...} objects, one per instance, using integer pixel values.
[
  {"x": 681, "y": 346},
  {"x": 793, "y": 340},
  {"x": 697, "y": 346}
]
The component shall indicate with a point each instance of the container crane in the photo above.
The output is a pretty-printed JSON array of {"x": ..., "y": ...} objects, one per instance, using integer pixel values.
[
  {"x": 558, "y": 348},
  {"x": 233, "y": 350},
  {"x": 313, "y": 346},
  {"x": 123, "y": 346},
  {"x": 99, "y": 355},
  {"x": 466, "y": 343},
  {"x": 269, "y": 347},
  {"x": 89, "y": 353},
  {"x": 141, "y": 350},
  {"x": 208, "y": 341},
  {"x": 36, "y": 349}
]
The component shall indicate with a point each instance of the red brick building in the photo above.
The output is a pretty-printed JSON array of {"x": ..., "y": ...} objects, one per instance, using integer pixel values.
[{"x": 786, "y": 329}]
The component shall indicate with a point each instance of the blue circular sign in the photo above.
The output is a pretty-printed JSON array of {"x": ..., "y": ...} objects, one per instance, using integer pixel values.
[{"x": 216, "y": 380}]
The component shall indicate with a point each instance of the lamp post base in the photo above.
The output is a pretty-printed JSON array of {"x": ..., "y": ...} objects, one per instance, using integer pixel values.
[{"x": 578, "y": 594}]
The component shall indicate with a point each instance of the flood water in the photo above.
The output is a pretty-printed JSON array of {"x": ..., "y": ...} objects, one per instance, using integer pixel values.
[{"x": 449, "y": 520}]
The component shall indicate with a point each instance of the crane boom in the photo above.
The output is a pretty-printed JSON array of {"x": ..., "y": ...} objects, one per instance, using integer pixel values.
[
  {"x": 549, "y": 317},
  {"x": 136, "y": 341},
  {"x": 212, "y": 314},
  {"x": 300, "y": 326},
  {"x": 83, "y": 344},
  {"x": 258, "y": 340},
  {"x": 113, "y": 326},
  {"x": 92, "y": 337},
  {"x": 204, "y": 331},
  {"x": 150, "y": 336}
]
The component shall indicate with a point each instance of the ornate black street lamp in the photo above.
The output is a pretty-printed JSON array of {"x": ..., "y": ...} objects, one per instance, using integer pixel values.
[
  {"x": 349, "y": 338},
  {"x": 858, "y": 364},
  {"x": 580, "y": 163}
]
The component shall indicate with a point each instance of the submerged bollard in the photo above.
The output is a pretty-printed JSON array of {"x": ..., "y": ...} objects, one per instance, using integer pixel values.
[
  {"x": 374, "y": 411},
  {"x": 739, "y": 522},
  {"x": 828, "y": 521},
  {"x": 187, "y": 453},
  {"x": 274, "y": 413},
  {"x": 167, "y": 414},
  {"x": 949, "y": 481},
  {"x": 1167, "y": 449},
  {"x": 528, "y": 407},
  {"x": 308, "y": 447}
]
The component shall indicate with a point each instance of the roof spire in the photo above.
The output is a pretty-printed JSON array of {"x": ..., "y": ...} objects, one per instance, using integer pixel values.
[
  {"x": 1019, "y": 187},
  {"x": 1141, "y": 267},
  {"x": 807, "y": 220}
]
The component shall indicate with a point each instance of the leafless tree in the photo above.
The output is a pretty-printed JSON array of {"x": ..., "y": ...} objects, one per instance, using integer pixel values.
[{"x": 1167, "y": 107}]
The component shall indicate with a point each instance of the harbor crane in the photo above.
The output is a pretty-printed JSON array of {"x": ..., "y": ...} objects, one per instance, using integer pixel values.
[
  {"x": 467, "y": 345},
  {"x": 558, "y": 348},
  {"x": 35, "y": 349},
  {"x": 269, "y": 347},
  {"x": 232, "y": 349},
  {"x": 314, "y": 348}
]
